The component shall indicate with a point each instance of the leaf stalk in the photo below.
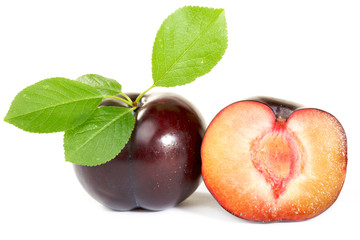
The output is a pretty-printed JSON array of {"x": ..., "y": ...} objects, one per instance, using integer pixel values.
[{"x": 126, "y": 101}]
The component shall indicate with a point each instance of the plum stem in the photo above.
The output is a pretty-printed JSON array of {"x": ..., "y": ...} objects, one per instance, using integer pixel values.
[
  {"x": 128, "y": 100},
  {"x": 142, "y": 94}
]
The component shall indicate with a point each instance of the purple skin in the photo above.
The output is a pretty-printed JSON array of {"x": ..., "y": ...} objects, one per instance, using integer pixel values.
[
  {"x": 160, "y": 166},
  {"x": 281, "y": 108}
]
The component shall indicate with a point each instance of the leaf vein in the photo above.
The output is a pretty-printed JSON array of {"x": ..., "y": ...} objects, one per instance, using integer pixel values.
[
  {"x": 101, "y": 130},
  {"x": 54, "y": 106}
]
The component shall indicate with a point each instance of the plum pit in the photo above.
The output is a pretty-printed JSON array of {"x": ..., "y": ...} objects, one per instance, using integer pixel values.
[{"x": 276, "y": 156}]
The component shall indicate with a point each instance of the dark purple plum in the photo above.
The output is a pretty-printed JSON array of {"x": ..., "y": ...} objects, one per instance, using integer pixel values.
[{"x": 160, "y": 166}]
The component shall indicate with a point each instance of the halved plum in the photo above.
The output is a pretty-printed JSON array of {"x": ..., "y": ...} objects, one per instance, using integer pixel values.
[{"x": 267, "y": 160}]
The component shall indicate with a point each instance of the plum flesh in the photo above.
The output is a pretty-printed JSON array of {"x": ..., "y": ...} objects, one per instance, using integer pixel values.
[{"x": 160, "y": 166}]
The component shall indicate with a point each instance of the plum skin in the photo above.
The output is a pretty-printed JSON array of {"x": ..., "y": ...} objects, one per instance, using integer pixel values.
[{"x": 160, "y": 166}]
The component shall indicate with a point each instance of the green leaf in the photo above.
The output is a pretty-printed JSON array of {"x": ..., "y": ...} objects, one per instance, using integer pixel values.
[
  {"x": 100, "y": 138},
  {"x": 105, "y": 86},
  {"x": 53, "y": 105},
  {"x": 188, "y": 44}
]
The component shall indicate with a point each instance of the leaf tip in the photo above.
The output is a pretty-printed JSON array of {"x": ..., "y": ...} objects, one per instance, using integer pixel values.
[{"x": 6, "y": 119}]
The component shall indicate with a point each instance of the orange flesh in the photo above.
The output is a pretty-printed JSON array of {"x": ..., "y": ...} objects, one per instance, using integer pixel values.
[{"x": 263, "y": 169}]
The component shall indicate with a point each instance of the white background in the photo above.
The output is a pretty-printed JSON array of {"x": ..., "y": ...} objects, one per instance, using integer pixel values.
[{"x": 304, "y": 51}]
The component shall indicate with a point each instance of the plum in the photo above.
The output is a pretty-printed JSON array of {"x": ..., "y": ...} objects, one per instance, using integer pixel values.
[
  {"x": 160, "y": 166},
  {"x": 268, "y": 159}
]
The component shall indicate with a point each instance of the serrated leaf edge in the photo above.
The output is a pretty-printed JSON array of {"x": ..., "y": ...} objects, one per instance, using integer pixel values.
[
  {"x": 102, "y": 88},
  {"x": 192, "y": 44},
  {"x": 8, "y": 119}
]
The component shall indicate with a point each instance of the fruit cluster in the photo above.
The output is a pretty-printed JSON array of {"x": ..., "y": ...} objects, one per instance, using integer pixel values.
[{"x": 263, "y": 159}]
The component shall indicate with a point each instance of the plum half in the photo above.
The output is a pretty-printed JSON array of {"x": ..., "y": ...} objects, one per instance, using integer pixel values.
[
  {"x": 160, "y": 166},
  {"x": 267, "y": 159}
]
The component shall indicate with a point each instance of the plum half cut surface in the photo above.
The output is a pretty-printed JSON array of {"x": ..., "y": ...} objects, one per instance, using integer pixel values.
[
  {"x": 160, "y": 166},
  {"x": 268, "y": 160}
]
